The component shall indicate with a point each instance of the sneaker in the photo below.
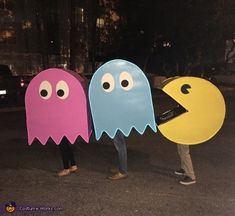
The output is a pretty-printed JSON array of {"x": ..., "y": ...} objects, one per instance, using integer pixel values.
[
  {"x": 64, "y": 172},
  {"x": 114, "y": 170},
  {"x": 180, "y": 172},
  {"x": 187, "y": 181},
  {"x": 73, "y": 168},
  {"x": 117, "y": 176}
]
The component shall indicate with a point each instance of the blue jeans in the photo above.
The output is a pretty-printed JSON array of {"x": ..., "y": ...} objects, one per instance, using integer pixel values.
[{"x": 120, "y": 145}]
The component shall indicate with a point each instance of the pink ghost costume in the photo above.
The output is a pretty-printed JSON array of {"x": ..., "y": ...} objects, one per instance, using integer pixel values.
[{"x": 56, "y": 106}]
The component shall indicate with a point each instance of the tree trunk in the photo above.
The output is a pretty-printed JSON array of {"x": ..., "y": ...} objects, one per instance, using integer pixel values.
[
  {"x": 72, "y": 41},
  {"x": 41, "y": 17},
  {"x": 91, "y": 14}
]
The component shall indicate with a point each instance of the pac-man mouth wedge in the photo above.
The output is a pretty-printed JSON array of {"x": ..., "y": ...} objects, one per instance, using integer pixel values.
[{"x": 200, "y": 112}]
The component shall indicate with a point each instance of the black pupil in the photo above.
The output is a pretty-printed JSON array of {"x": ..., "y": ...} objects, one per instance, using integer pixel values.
[
  {"x": 44, "y": 93},
  {"x": 106, "y": 85},
  {"x": 124, "y": 83},
  {"x": 60, "y": 93}
]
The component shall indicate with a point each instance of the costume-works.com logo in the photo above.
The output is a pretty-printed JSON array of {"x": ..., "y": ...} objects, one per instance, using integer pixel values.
[{"x": 10, "y": 207}]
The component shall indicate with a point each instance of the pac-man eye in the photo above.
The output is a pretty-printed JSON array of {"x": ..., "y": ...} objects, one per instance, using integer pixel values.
[
  {"x": 185, "y": 88},
  {"x": 126, "y": 81},
  {"x": 62, "y": 89},
  {"x": 45, "y": 90},
  {"x": 107, "y": 82}
]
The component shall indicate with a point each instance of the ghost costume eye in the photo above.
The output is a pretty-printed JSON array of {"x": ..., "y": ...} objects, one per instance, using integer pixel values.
[
  {"x": 107, "y": 82},
  {"x": 126, "y": 81},
  {"x": 45, "y": 90},
  {"x": 62, "y": 89}
]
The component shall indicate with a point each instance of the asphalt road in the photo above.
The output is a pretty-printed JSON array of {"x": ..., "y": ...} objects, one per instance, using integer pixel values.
[{"x": 28, "y": 173}]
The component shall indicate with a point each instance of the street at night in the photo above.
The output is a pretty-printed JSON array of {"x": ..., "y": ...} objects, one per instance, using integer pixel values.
[
  {"x": 29, "y": 173},
  {"x": 117, "y": 107}
]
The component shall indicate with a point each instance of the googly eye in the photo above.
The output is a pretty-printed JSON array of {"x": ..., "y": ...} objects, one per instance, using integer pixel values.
[
  {"x": 126, "y": 81},
  {"x": 45, "y": 90},
  {"x": 62, "y": 89},
  {"x": 107, "y": 82},
  {"x": 184, "y": 88}
]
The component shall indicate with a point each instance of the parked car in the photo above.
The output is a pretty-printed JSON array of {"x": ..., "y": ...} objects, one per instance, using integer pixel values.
[
  {"x": 209, "y": 71},
  {"x": 12, "y": 88}
]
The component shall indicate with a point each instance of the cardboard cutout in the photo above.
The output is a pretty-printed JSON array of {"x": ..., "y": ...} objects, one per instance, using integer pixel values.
[
  {"x": 120, "y": 99},
  {"x": 57, "y": 106},
  {"x": 201, "y": 110}
]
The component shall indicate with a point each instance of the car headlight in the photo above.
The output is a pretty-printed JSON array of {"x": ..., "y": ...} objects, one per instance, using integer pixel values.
[{"x": 3, "y": 92}]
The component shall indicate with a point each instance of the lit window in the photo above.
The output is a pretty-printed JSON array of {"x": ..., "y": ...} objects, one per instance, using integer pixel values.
[
  {"x": 6, "y": 34},
  {"x": 27, "y": 25},
  {"x": 79, "y": 15},
  {"x": 114, "y": 16},
  {"x": 166, "y": 44},
  {"x": 100, "y": 22}
]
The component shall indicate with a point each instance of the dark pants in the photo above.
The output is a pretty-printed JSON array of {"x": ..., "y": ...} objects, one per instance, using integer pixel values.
[{"x": 66, "y": 153}]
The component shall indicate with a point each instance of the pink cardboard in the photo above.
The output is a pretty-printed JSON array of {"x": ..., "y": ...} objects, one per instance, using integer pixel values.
[{"x": 56, "y": 106}]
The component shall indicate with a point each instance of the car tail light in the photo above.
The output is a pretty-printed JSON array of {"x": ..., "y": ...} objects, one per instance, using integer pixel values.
[{"x": 22, "y": 84}]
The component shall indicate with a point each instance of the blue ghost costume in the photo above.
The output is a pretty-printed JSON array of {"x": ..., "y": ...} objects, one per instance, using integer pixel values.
[{"x": 120, "y": 99}]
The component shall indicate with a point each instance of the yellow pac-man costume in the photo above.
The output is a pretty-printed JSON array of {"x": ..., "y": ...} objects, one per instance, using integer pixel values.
[{"x": 204, "y": 110}]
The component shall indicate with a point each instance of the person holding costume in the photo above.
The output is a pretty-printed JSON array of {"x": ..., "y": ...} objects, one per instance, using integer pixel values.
[
  {"x": 120, "y": 100},
  {"x": 186, "y": 169},
  {"x": 121, "y": 172},
  {"x": 68, "y": 159},
  {"x": 197, "y": 118},
  {"x": 57, "y": 108}
]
